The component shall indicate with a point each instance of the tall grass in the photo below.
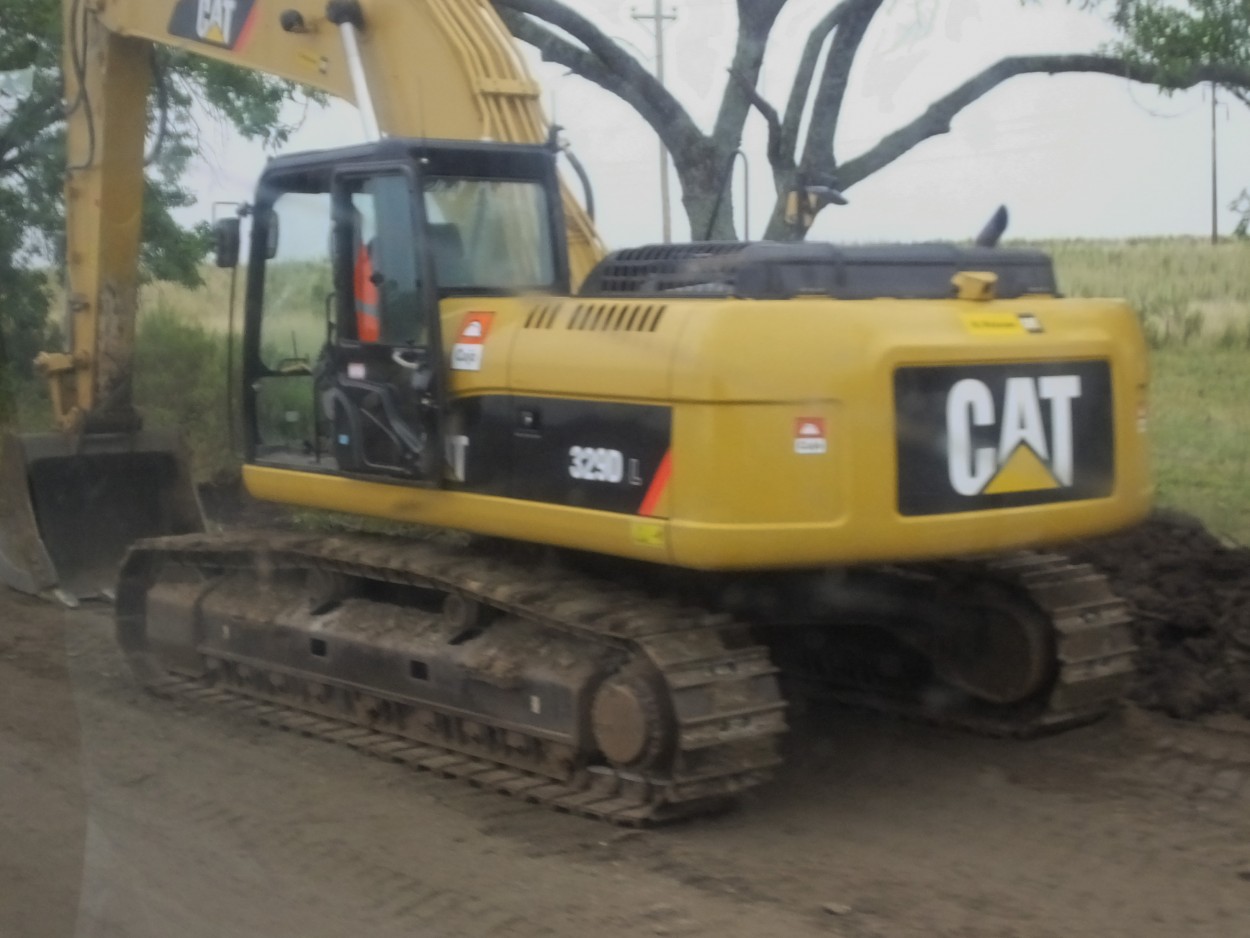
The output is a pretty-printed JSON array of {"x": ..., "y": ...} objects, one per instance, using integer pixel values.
[{"x": 1186, "y": 290}]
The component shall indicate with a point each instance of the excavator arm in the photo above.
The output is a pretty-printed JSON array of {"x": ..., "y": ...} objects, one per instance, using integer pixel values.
[{"x": 426, "y": 68}]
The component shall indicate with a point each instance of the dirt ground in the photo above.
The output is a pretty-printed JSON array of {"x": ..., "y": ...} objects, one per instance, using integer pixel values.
[
  {"x": 1191, "y": 600},
  {"x": 125, "y": 815}
]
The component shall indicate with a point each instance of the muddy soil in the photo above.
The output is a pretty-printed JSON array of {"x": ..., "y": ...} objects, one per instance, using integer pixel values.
[
  {"x": 125, "y": 815},
  {"x": 1191, "y": 599}
]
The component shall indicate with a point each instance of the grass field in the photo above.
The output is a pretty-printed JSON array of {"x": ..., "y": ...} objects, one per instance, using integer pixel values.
[
  {"x": 1194, "y": 300},
  {"x": 1200, "y": 423}
]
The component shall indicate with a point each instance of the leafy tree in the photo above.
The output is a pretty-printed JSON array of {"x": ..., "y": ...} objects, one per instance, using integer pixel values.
[
  {"x": 1172, "y": 38},
  {"x": 1168, "y": 43},
  {"x": 186, "y": 91}
]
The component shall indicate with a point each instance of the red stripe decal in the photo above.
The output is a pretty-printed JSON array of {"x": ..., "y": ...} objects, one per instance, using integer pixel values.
[
  {"x": 659, "y": 484},
  {"x": 245, "y": 34}
]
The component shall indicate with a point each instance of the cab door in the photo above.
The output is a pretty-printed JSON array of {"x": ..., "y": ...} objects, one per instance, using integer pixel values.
[{"x": 384, "y": 394}]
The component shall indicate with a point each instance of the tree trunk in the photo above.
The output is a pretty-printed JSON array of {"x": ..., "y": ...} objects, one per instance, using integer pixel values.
[
  {"x": 706, "y": 174},
  {"x": 699, "y": 209}
]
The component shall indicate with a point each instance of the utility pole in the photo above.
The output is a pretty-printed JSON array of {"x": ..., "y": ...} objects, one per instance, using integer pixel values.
[
  {"x": 1215, "y": 225},
  {"x": 658, "y": 18}
]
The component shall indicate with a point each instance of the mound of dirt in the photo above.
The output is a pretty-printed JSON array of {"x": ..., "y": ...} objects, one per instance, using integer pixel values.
[{"x": 1191, "y": 594}]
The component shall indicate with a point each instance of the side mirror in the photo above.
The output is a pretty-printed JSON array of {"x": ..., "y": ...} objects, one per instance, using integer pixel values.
[{"x": 226, "y": 239}]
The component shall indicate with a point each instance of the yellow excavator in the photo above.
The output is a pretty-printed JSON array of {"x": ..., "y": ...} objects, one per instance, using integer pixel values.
[{"x": 691, "y": 474}]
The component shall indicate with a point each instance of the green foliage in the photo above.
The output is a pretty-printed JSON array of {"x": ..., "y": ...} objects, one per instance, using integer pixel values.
[
  {"x": 1172, "y": 36},
  {"x": 32, "y": 161},
  {"x": 1241, "y": 204},
  {"x": 180, "y": 383}
]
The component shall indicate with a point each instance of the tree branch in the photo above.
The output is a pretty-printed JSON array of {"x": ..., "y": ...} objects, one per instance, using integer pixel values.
[
  {"x": 806, "y": 74},
  {"x": 756, "y": 19},
  {"x": 776, "y": 156},
  {"x": 936, "y": 119},
  {"x": 818, "y": 152},
  {"x": 661, "y": 109},
  {"x": 677, "y": 130},
  {"x": 552, "y": 48}
]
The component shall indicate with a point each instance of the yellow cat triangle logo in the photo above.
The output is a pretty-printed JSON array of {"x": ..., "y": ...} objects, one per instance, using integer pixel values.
[
  {"x": 1023, "y": 472},
  {"x": 214, "y": 34}
]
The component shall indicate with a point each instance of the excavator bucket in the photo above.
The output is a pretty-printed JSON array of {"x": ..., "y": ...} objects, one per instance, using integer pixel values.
[{"x": 70, "y": 507}]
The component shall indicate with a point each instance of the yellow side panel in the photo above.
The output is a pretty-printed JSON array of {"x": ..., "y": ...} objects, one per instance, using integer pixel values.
[
  {"x": 575, "y": 528},
  {"x": 533, "y": 350},
  {"x": 785, "y": 448},
  {"x": 738, "y": 465}
]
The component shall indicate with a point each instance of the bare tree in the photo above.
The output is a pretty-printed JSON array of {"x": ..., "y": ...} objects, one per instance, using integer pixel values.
[{"x": 807, "y": 170}]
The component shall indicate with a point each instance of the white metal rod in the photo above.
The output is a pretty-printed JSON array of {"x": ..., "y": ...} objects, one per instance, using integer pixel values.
[{"x": 360, "y": 84}]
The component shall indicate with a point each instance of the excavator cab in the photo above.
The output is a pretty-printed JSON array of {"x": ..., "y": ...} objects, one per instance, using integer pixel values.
[{"x": 353, "y": 252}]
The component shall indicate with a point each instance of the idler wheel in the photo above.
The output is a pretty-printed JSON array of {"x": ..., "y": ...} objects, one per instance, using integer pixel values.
[
  {"x": 629, "y": 722},
  {"x": 998, "y": 647}
]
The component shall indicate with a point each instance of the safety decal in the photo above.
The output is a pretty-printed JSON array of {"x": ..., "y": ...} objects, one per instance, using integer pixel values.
[
  {"x": 809, "y": 436},
  {"x": 470, "y": 348},
  {"x": 992, "y": 323},
  {"x": 1003, "y": 435},
  {"x": 1002, "y": 324},
  {"x": 647, "y": 535},
  {"x": 224, "y": 23}
]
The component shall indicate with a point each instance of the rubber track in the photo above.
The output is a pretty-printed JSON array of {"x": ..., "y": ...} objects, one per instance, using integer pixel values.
[
  {"x": 720, "y": 752},
  {"x": 1094, "y": 650}
]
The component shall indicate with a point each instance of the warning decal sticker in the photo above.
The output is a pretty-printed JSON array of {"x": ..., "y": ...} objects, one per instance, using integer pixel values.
[
  {"x": 470, "y": 348},
  {"x": 809, "y": 436}
]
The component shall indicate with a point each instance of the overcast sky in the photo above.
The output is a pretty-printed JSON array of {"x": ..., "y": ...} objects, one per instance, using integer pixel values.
[{"x": 1071, "y": 155}]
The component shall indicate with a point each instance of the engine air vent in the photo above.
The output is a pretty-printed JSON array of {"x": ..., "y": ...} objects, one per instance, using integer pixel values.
[
  {"x": 543, "y": 317},
  {"x": 617, "y": 317}
]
